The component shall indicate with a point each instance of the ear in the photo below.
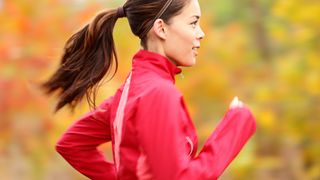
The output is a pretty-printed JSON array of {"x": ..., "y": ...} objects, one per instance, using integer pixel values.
[{"x": 159, "y": 28}]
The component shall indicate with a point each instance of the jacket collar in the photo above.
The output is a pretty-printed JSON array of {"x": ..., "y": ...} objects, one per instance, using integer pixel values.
[{"x": 157, "y": 63}]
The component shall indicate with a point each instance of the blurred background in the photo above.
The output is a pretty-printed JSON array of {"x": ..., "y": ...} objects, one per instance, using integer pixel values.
[{"x": 266, "y": 52}]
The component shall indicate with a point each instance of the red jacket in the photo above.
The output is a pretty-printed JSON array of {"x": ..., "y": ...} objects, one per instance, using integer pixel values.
[{"x": 152, "y": 134}]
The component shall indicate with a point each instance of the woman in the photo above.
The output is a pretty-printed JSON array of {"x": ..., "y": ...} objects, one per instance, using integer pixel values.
[{"x": 152, "y": 134}]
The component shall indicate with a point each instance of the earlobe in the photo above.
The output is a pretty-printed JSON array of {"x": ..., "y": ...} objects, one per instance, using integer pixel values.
[{"x": 159, "y": 29}]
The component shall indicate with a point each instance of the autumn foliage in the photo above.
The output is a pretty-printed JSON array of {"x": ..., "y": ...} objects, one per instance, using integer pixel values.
[{"x": 264, "y": 52}]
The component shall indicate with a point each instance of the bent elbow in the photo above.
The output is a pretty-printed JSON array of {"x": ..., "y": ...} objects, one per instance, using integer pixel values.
[
  {"x": 59, "y": 148},
  {"x": 62, "y": 147}
]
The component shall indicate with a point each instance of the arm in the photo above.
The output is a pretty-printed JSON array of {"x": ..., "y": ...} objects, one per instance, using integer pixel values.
[
  {"x": 231, "y": 134},
  {"x": 162, "y": 138},
  {"x": 78, "y": 145}
]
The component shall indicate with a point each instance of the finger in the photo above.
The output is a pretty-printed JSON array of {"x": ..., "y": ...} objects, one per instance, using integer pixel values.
[{"x": 234, "y": 102}]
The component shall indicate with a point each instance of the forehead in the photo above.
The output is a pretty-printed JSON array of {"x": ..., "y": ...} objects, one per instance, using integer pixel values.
[{"x": 190, "y": 10}]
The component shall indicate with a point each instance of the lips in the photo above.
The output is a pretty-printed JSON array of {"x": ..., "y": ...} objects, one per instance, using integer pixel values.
[{"x": 194, "y": 49}]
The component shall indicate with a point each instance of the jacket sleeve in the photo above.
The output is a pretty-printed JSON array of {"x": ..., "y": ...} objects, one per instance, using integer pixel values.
[
  {"x": 163, "y": 139},
  {"x": 78, "y": 145}
]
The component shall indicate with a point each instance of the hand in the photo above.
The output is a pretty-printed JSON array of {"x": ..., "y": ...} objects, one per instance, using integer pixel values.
[{"x": 236, "y": 103}]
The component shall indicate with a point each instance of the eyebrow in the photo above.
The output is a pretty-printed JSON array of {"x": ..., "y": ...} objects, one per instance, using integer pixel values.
[{"x": 196, "y": 16}]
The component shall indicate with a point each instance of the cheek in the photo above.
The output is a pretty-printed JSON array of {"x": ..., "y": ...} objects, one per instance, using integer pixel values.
[
  {"x": 185, "y": 38},
  {"x": 181, "y": 48}
]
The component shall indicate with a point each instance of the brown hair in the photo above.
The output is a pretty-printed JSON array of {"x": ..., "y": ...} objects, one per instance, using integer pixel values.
[{"x": 89, "y": 53}]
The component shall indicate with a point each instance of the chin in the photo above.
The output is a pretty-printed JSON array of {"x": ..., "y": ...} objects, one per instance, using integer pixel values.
[
  {"x": 189, "y": 64},
  {"x": 186, "y": 62}
]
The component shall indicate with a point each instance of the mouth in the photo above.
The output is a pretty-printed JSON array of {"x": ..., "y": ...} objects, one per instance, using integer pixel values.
[{"x": 194, "y": 49}]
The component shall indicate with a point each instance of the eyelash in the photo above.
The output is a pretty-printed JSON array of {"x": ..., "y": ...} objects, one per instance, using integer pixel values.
[{"x": 194, "y": 23}]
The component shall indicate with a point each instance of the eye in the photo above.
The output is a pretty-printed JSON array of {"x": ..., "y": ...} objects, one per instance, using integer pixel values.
[{"x": 194, "y": 24}]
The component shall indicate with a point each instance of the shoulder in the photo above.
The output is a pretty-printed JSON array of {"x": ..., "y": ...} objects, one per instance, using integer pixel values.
[
  {"x": 158, "y": 92},
  {"x": 165, "y": 89}
]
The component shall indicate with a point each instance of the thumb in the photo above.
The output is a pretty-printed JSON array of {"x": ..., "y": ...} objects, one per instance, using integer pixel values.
[{"x": 236, "y": 103}]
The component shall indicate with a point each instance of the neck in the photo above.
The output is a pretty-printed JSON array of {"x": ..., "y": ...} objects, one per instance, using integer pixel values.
[{"x": 155, "y": 48}]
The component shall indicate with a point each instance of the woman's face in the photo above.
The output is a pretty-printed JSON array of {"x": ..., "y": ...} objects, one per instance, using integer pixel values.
[{"x": 183, "y": 35}]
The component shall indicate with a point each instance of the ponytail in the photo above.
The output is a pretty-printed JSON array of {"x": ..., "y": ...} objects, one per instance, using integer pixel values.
[{"x": 87, "y": 58}]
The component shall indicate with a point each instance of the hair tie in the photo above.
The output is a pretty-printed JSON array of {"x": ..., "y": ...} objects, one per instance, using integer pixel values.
[{"x": 120, "y": 12}]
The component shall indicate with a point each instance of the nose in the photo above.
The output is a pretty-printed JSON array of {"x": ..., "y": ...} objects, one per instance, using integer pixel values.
[{"x": 200, "y": 34}]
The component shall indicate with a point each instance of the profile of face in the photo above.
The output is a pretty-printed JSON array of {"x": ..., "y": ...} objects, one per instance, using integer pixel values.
[{"x": 180, "y": 39}]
